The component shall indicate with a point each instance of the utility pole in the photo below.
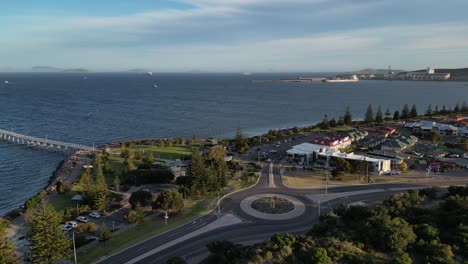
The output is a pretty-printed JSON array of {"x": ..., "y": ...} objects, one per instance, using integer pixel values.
[
  {"x": 319, "y": 208},
  {"x": 219, "y": 206},
  {"x": 74, "y": 247}
]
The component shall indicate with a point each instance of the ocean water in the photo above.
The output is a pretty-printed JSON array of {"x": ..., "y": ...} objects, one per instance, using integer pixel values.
[{"x": 110, "y": 107}]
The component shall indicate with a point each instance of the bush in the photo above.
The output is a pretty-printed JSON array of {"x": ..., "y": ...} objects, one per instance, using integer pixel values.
[
  {"x": 89, "y": 227},
  {"x": 82, "y": 240}
]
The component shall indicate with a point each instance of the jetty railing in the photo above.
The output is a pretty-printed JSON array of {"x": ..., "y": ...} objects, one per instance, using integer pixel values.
[{"x": 41, "y": 142}]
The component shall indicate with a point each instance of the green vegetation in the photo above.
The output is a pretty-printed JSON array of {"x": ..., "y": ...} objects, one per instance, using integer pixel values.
[
  {"x": 49, "y": 242},
  {"x": 7, "y": 249},
  {"x": 272, "y": 205},
  {"x": 407, "y": 228}
]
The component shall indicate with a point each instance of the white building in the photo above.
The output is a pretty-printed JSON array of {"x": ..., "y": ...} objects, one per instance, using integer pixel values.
[
  {"x": 304, "y": 153},
  {"x": 376, "y": 165},
  {"x": 428, "y": 75}
]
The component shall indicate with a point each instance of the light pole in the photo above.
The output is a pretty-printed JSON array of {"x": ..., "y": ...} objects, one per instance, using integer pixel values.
[
  {"x": 319, "y": 208},
  {"x": 166, "y": 216},
  {"x": 219, "y": 206},
  {"x": 74, "y": 247}
]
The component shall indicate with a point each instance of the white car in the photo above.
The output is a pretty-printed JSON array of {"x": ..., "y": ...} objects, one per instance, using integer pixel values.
[
  {"x": 73, "y": 224},
  {"x": 67, "y": 227},
  {"x": 82, "y": 219},
  {"x": 94, "y": 215}
]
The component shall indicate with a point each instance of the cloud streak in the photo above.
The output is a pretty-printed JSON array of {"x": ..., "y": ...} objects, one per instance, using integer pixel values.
[{"x": 235, "y": 35}]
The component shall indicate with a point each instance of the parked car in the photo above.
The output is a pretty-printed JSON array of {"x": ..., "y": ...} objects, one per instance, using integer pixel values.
[
  {"x": 67, "y": 227},
  {"x": 73, "y": 224},
  {"x": 82, "y": 219},
  {"x": 94, "y": 215}
]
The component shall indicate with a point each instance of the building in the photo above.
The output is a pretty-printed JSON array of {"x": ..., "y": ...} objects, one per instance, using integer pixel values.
[
  {"x": 304, "y": 153},
  {"x": 426, "y": 126},
  {"x": 334, "y": 142},
  {"x": 375, "y": 165},
  {"x": 428, "y": 75},
  {"x": 398, "y": 144},
  {"x": 395, "y": 160}
]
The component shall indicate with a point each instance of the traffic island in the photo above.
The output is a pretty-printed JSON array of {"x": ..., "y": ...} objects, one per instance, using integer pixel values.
[{"x": 273, "y": 206}]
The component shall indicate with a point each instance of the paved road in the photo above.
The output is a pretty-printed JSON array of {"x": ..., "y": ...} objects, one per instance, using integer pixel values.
[{"x": 252, "y": 229}]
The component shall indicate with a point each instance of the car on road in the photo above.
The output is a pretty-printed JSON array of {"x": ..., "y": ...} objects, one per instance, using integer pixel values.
[
  {"x": 94, "y": 215},
  {"x": 67, "y": 227},
  {"x": 73, "y": 224},
  {"x": 82, "y": 219}
]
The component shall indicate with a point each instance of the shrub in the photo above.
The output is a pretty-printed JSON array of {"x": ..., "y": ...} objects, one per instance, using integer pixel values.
[{"x": 87, "y": 227}]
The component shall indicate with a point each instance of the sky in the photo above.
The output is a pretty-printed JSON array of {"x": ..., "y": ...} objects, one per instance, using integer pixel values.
[{"x": 233, "y": 35}]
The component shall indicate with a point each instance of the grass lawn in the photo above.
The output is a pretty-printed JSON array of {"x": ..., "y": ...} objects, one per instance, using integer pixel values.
[
  {"x": 334, "y": 129},
  {"x": 154, "y": 225},
  {"x": 63, "y": 201},
  {"x": 316, "y": 178}
]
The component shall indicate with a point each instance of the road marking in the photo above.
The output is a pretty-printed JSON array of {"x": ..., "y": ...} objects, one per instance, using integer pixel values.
[
  {"x": 320, "y": 198},
  {"x": 226, "y": 220},
  {"x": 271, "y": 178}
]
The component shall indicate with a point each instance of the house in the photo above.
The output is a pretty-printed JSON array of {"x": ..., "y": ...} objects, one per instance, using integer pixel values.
[
  {"x": 334, "y": 142},
  {"x": 371, "y": 142},
  {"x": 398, "y": 144},
  {"x": 426, "y": 126}
]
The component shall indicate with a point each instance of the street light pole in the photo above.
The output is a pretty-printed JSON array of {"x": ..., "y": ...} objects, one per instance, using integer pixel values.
[
  {"x": 74, "y": 247},
  {"x": 219, "y": 206},
  {"x": 319, "y": 207}
]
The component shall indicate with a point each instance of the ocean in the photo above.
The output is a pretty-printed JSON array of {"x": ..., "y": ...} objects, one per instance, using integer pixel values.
[{"x": 103, "y": 108}]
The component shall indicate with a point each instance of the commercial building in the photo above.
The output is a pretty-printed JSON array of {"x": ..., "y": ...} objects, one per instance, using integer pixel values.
[
  {"x": 334, "y": 142},
  {"x": 375, "y": 165},
  {"x": 428, "y": 75}
]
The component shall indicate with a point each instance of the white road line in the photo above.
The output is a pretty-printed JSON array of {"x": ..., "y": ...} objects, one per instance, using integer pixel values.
[{"x": 226, "y": 220}]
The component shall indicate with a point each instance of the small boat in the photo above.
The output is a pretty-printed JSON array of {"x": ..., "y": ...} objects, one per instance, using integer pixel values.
[
  {"x": 154, "y": 85},
  {"x": 6, "y": 82},
  {"x": 85, "y": 78}
]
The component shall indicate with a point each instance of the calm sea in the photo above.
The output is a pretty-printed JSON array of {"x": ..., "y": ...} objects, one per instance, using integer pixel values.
[{"x": 110, "y": 107}]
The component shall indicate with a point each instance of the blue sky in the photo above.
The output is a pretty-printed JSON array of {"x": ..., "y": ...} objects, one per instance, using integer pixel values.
[{"x": 233, "y": 35}]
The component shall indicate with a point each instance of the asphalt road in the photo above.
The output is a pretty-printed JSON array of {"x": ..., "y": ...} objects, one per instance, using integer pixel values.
[{"x": 252, "y": 229}]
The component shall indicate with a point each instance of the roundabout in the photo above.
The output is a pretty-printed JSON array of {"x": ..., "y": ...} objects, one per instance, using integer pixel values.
[{"x": 272, "y": 206}]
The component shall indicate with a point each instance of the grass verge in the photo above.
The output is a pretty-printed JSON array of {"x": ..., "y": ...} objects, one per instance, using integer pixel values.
[{"x": 154, "y": 225}]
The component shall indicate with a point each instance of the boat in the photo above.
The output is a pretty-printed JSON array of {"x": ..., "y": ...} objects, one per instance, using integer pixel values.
[
  {"x": 150, "y": 73},
  {"x": 154, "y": 85},
  {"x": 247, "y": 73},
  {"x": 6, "y": 82},
  {"x": 352, "y": 78}
]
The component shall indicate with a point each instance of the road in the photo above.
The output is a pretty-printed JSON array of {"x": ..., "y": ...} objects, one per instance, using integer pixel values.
[{"x": 252, "y": 229}]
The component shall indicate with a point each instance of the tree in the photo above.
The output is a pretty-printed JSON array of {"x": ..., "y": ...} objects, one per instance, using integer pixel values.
[
  {"x": 403, "y": 258},
  {"x": 117, "y": 184},
  {"x": 379, "y": 116},
  {"x": 86, "y": 183},
  {"x": 387, "y": 233},
  {"x": 405, "y": 114},
  {"x": 104, "y": 234},
  {"x": 413, "y": 112},
  {"x": 140, "y": 198},
  {"x": 150, "y": 158},
  {"x": 320, "y": 256},
  {"x": 169, "y": 200},
  {"x": 464, "y": 107},
  {"x": 348, "y": 118},
  {"x": 457, "y": 108},
  {"x": 325, "y": 123},
  {"x": 101, "y": 193},
  {"x": 369, "y": 117},
  {"x": 388, "y": 115},
  {"x": 403, "y": 166},
  {"x": 240, "y": 143},
  {"x": 7, "y": 249},
  {"x": 429, "y": 110},
  {"x": 396, "y": 116},
  {"x": 196, "y": 169},
  {"x": 49, "y": 242},
  {"x": 136, "y": 215}
]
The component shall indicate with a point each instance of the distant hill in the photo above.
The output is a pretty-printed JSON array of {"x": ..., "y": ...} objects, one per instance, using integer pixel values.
[
  {"x": 54, "y": 69},
  {"x": 46, "y": 69},
  {"x": 76, "y": 71},
  {"x": 376, "y": 71}
]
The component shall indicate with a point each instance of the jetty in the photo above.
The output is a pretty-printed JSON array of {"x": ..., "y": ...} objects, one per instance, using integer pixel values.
[{"x": 17, "y": 138}]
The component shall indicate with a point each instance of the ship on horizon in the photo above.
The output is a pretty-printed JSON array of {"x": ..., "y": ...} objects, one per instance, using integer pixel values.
[{"x": 342, "y": 78}]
